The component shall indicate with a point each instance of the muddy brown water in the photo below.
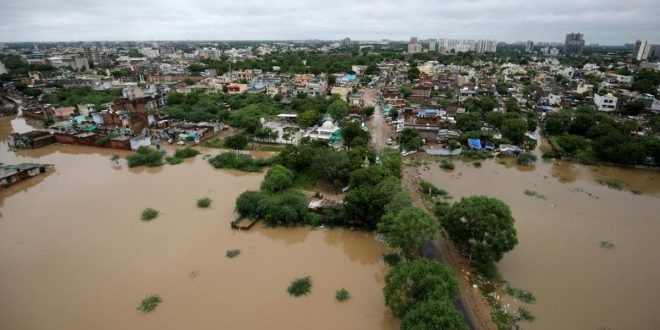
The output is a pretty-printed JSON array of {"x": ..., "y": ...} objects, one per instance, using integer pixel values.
[
  {"x": 578, "y": 284},
  {"x": 75, "y": 255}
]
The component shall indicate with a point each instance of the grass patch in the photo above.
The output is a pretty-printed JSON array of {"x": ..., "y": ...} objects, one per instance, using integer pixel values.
[
  {"x": 305, "y": 180},
  {"x": 173, "y": 160},
  {"x": 391, "y": 259},
  {"x": 270, "y": 147},
  {"x": 612, "y": 184},
  {"x": 430, "y": 192},
  {"x": 447, "y": 164},
  {"x": 475, "y": 155},
  {"x": 521, "y": 294},
  {"x": 233, "y": 253},
  {"x": 239, "y": 162},
  {"x": 150, "y": 303},
  {"x": 186, "y": 152},
  {"x": 342, "y": 295},
  {"x": 149, "y": 214},
  {"x": 300, "y": 286},
  {"x": 606, "y": 245},
  {"x": 204, "y": 202},
  {"x": 215, "y": 142}
]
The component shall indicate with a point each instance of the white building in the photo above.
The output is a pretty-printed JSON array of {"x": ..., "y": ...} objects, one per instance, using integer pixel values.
[
  {"x": 605, "y": 102},
  {"x": 485, "y": 46},
  {"x": 324, "y": 132},
  {"x": 150, "y": 52},
  {"x": 642, "y": 50},
  {"x": 414, "y": 48},
  {"x": 3, "y": 70}
]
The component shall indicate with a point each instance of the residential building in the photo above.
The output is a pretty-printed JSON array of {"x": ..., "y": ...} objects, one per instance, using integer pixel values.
[
  {"x": 414, "y": 48},
  {"x": 485, "y": 46},
  {"x": 642, "y": 50},
  {"x": 574, "y": 44},
  {"x": 529, "y": 46},
  {"x": 3, "y": 70},
  {"x": 432, "y": 46},
  {"x": 605, "y": 102},
  {"x": 413, "y": 40},
  {"x": 345, "y": 42},
  {"x": 150, "y": 52}
]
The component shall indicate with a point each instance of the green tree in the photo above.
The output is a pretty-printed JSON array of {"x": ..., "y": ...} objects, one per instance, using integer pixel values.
[
  {"x": 368, "y": 111},
  {"x": 333, "y": 165},
  {"x": 433, "y": 314},
  {"x": 470, "y": 121},
  {"x": 634, "y": 108},
  {"x": 277, "y": 178},
  {"x": 338, "y": 109},
  {"x": 408, "y": 229},
  {"x": 482, "y": 227},
  {"x": 413, "y": 73},
  {"x": 354, "y": 136},
  {"x": 237, "y": 142},
  {"x": 412, "y": 282},
  {"x": 253, "y": 204},
  {"x": 308, "y": 118},
  {"x": 410, "y": 139},
  {"x": 514, "y": 130},
  {"x": 287, "y": 208}
]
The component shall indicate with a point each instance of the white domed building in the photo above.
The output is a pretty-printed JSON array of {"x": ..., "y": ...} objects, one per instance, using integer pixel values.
[{"x": 326, "y": 132}]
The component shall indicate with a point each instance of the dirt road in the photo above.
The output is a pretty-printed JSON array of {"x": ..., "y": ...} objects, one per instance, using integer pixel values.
[
  {"x": 471, "y": 302},
  {"x": 380, "y": 130}
]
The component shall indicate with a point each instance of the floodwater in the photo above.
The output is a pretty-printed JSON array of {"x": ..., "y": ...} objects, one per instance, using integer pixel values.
[
  {"x": 75, "y": 255},
  {"x": 578, "y": 283}
]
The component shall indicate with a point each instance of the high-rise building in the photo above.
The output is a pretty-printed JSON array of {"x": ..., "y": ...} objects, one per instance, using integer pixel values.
[
  {"x": 92, "y": 54},
  {"x": 485, "y": 46},
  {"x": 414, "y": 48},
  {"x": 642, "y": 50},
  {"x": 529, "y": 46},
  {"x": 574, "y": 44},
  {"x": 413, "y": 40},
  {"x": 432, "y": 46},
  {"x": 655, "y": 52},
  {"x": 2, "y": 68},
  {"x": 346, "y": 42}
]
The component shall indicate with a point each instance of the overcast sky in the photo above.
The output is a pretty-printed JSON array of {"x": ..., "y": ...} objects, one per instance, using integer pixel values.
[{"x": 601, "y": 21}]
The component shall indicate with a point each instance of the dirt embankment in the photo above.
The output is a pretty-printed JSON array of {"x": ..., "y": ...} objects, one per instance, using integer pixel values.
[{"x": 475, "y": 307}]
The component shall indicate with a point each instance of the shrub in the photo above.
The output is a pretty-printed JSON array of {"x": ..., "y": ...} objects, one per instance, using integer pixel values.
[
  {"x": 447, "y": 164},
  {"x": 173, "y": 160},
  {"x": 526, "y": 159},
  {"x": 253, "y": 204},
  {"x": 238, "y": 162},
  {"x": 300, "y": 286},
  {"x": 391, "y": 259},
  {"x": 150, "y": 303},
  {"x": 429, "y": 189},
  {"x": 342, "y": 295},
  {"x": 145, "y": 156},
  {"x": 204, "y": 202},
  {"x": 186, "y": 152},
  {"x": 149, "y": 214},
  {"x": 277, "y": 178},
  {"x": 233, "y": 253},
  {"x": 476, "y": 164},
  {"x": 612, "y": 184},
  {"x": 287, "y": 208},
  {"x": 523, "y": 295}
]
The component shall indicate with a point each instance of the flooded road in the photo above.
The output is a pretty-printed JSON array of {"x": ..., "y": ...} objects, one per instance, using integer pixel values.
[
  {"x": 578, "y": 283},
  {"x": 75, "y": 255}
]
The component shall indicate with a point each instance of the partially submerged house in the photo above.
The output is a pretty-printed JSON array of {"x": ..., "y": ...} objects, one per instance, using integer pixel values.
[{"x": 11, "y": 174}]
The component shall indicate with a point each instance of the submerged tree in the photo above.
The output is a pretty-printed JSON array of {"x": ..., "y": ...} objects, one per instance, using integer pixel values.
[
  {"x": 408, "y": 229},
  {"x": 482, "y": 227},
  {"x": 416, "y": 281}
]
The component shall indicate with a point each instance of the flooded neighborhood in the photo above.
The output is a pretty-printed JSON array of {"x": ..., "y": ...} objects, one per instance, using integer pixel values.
[{"x": 82, "y": 257}]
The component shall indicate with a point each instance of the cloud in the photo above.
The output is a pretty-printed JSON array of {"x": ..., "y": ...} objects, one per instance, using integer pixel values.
[{"x": 601, "y": 21}]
